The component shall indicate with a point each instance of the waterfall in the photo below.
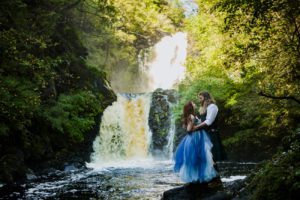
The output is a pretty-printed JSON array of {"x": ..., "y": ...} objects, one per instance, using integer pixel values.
[
  {"x": 168, "y": 149},
  {"x": 124, "y": 130},
  {"x": 166, "y": 68}
]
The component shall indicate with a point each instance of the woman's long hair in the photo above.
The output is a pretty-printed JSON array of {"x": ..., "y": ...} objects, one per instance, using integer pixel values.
[
  {"x": 188, "y": 109},
  {"x": 208, "y": 99}
]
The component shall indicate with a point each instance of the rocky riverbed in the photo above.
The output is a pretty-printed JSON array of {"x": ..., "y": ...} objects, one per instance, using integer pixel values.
[{"x": 138, "y": 179}]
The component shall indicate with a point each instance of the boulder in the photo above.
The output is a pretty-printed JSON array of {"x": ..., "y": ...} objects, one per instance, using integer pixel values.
[
  {"x": 196, "y": 191},
  {"x": 160, "y": 118}
]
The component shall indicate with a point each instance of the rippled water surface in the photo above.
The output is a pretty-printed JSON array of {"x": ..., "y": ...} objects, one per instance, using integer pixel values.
[{"x": 144, "y": 179}]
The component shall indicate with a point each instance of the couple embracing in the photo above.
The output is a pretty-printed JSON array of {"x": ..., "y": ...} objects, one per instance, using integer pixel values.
[{"x": 197, "y": 153}]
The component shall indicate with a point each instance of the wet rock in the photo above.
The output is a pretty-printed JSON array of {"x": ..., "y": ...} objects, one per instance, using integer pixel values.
[
  {"x": 172, "y": 95},
  {"x": 11, "y": 191},
  {"x": 68, "y": 168},
  {"x": 236, "y": 186},
  {"x": 45, "y": 171},
  {"x": 160, "y": 118},
  {"x": 227, "y": 190},
  {"x": 30, "y": 176},
  {"x": 195, "y": 192}
]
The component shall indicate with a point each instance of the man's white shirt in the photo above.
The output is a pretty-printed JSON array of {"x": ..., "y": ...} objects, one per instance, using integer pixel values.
[{"x": 211, "y": 114}]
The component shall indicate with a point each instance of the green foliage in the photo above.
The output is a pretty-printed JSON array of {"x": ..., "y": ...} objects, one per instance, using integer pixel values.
[
  {"x": 242, "y": 145},
  {"x": 244, "y": 138},
  {"x": 282, "y": 171},
  {"x": 73, "y": 114},
  {"x": 246, "y": 53},
  {"x": 189, "y": 91},
  {"x": 140, "y": 21},
  {"x": 116, "y": 35},
  {"x": 271, "y": 50},
  {"x": 46, "y": 87},
  {"x": 18, "y": 102},
  {"x": 205, "y": 70}
]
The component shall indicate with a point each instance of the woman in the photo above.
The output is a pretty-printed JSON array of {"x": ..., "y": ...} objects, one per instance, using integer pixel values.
[{"x": 193, "y": 158}]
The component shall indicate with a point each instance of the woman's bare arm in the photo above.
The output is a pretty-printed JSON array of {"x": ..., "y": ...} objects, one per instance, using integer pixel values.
[{"x": 190, "y": 124}]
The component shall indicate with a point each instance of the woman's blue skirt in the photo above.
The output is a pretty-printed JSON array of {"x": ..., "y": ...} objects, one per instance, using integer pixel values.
[{"x": 193, "y": 158}]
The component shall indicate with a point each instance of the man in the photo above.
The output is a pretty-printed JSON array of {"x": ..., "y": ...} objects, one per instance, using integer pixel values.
[{"x": 208, "y": 116}]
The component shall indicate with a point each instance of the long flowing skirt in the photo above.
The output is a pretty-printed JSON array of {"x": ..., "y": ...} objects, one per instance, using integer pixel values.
[{"x": 193, "y": 158}]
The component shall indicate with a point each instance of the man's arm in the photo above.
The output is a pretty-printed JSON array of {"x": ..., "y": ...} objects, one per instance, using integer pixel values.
[
  {"x": 199, "y": 126},
  {"x": 212, "y": 111}
]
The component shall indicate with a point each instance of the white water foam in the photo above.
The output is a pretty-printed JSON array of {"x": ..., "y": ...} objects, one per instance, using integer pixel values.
[
  {"x": 145, "y": 163},
  {"x": 233, "y": 178}
]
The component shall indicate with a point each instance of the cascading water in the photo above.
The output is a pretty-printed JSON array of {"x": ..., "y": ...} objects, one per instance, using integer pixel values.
[
  {"x": 170, "y": 138},
  {"x": 166, "y": 69},
  {"x": 124, "y": 131}
]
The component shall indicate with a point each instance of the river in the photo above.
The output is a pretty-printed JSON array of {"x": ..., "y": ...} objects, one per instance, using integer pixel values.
[{"x": 130, "y": 180}]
